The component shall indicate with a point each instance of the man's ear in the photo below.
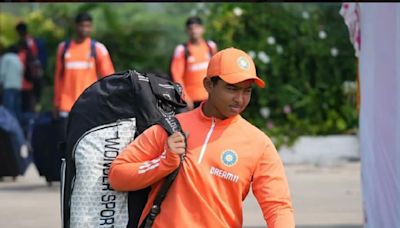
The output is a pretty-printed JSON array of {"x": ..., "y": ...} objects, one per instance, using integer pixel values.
[{"x": 207, "y": 83}]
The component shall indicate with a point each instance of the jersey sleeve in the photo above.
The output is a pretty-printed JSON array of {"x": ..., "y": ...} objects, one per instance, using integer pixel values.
[
  {"x": 177, "y": 67},
  {"x": 57, "y": 75},
  {"x": 104, "y": 64},
  {"x": 270, "y": 187},
  {"x": 143, "y": 162}
]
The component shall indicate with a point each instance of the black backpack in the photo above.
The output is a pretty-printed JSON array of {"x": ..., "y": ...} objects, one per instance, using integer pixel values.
[
  {"x": 106, "y": 117},
  {"x": 34, "y": 70}
]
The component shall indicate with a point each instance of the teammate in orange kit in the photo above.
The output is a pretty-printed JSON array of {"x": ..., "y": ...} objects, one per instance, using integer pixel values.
[
  {"x": 190, "y": 61},
  {"x": 80, "y": 62},
  {"x": 225, "y": 156}
]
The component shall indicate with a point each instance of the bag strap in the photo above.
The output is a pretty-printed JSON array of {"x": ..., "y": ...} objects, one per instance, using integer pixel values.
[
  {"x": 186, "y": 50},
  {"x": 171, "y": 125},
  {"x": 94, "y": 55},
  {"x": 158, "y": 86},
  {"x": 93, "y": 48},
  {"x": 67, "y": 43}
]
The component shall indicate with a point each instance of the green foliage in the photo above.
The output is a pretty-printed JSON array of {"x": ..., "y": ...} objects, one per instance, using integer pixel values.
[
  {"x": 7, "y": 35},
  {"x": 138, "y": 36},
  {"x": 302, "y": 51},
  {"x": 304, "y": 55}
]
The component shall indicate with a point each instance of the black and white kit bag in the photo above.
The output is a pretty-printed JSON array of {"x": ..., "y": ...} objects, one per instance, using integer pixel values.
[{"x": 105, "y": 119}]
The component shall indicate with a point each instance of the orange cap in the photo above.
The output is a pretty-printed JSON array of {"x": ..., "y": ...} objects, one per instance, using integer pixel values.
[{"x": 233, "y": 66}]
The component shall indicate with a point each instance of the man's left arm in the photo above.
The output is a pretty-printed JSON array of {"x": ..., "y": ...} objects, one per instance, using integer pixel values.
[
  {"x": 271, "y": 189},
  {"x": 103, "y": 62}
]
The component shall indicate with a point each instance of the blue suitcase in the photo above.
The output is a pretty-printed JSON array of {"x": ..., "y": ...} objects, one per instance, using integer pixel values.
[
  {"x": 46, "y": 135},
  {"x": 12, "y": 162}
]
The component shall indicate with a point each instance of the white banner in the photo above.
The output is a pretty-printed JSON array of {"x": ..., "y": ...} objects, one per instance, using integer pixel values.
[{"x": 380, "y": 113}]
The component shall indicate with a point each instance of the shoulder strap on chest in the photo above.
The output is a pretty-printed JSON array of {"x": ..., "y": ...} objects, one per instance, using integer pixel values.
[
  {"x": 171, "y": 125},
  {"x": 186, "y": 50},
  {"x": 67, "y": 43},
  {"x": 93, "y": 48}
]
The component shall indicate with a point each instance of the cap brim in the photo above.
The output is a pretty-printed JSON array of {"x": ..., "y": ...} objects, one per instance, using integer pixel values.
[{"x": 236, "y": 78}]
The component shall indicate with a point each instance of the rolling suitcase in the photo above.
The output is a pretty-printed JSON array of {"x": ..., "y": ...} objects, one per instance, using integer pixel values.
[
  {"x": 12, "y": 162},
  {"x": 46, "y": 135},
  {"x": 8, "y": 160}
]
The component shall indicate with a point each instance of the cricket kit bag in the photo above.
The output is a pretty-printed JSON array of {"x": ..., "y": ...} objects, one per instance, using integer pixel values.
[{"x": 107, "y": 116}]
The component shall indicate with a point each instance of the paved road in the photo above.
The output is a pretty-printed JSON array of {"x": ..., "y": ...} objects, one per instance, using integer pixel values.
[{"x": 323, "y": 197}]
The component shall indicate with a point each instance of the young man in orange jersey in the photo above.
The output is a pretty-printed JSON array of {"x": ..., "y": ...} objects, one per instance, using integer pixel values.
[
  {"x": 80, "y": 62},
  {"x": 190, "y": 60},
  {"x": 76, "y": 65},
  {"x": 224, "y": 156}
]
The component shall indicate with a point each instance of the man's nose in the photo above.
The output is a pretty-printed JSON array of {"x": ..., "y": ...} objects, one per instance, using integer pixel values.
[{"x": 239, "y": 97}]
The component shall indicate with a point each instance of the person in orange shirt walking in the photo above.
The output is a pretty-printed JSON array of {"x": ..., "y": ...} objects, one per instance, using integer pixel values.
[
  {"x": 225, "y": 155},
  {"x": 189, "y": 63},
  {"x": 80, "y": 62}
]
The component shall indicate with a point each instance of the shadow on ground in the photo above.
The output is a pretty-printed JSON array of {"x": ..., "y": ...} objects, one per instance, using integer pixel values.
[{"x": 15, "y": 186}]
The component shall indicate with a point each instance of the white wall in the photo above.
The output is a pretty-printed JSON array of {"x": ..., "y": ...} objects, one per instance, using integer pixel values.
[{"x": 322, "y": 150}]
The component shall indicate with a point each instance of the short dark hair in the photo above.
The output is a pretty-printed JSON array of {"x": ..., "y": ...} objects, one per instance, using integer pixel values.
[
  {"x": 21, "y": 28},
  {"x": 193, "y": 20},
  {"x": 215, "y": 79},
  {"x": 83, "y": 16}
]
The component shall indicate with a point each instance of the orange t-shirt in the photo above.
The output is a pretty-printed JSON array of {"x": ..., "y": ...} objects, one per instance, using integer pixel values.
[
  {"x": 191, "y": 72},
  {"x": 80, "y": 71},
  {"x": 223, "y": 159}
]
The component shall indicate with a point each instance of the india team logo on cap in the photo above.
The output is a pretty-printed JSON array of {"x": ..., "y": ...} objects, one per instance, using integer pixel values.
[
  {"x": 229, "y": 158},
  {"x": 243, "y": 63}
]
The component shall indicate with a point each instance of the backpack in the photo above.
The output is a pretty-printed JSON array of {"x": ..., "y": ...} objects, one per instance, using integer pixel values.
[
  {"x": 187, "y": 53},
  {"x": 67, "y": 44},
  {"x": 34, "y": 66},
  {"x": 107, "y": 116},
  {"x": 42, "y": 51}
]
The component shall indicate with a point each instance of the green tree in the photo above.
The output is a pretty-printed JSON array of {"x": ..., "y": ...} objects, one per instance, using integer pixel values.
[
  {"x": 303, "y": 53},
  {"x": 301, "y": 50}
]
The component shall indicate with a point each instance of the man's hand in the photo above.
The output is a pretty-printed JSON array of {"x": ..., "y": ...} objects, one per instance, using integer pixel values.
[{"x": 176, "y": 143}]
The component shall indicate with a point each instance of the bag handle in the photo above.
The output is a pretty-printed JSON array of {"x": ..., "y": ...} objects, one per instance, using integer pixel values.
[{"x": 162, "y": 89}]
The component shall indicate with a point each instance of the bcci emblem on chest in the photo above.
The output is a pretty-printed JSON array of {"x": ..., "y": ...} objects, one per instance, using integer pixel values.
[{"x": 229, "y": 158}]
